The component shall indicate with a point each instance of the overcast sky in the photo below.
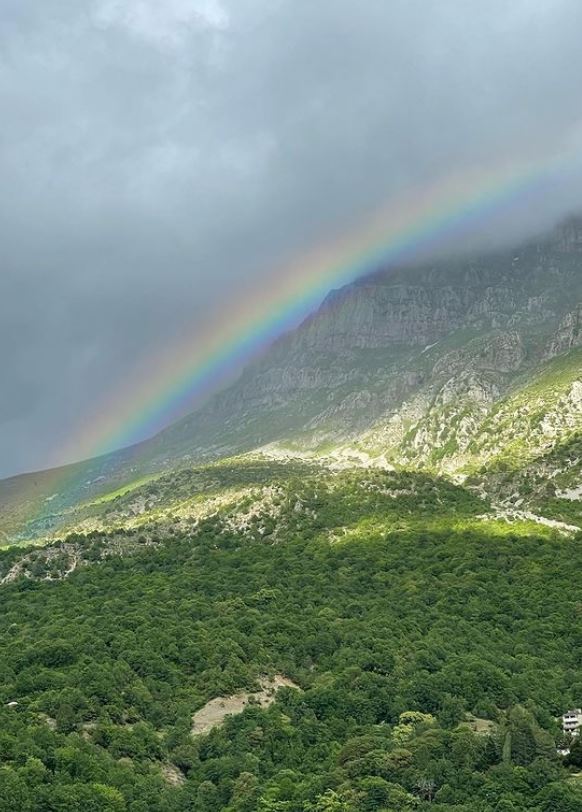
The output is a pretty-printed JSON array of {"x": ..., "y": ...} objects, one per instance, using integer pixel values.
[{"x": 157, "y": 158}]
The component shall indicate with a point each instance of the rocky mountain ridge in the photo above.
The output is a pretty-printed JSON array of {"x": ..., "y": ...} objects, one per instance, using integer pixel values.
[
  {"x": 404, "y": 343},
  {"x": 467, "y": 367}
]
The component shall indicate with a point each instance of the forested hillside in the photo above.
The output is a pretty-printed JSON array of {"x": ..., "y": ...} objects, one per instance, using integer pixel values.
[{"x": 432, "y": 649}]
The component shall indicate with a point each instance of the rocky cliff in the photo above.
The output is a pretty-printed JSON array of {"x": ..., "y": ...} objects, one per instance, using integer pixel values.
[
  {"x": 405, "y": 363},
  {"x": 469, "y": 367}
]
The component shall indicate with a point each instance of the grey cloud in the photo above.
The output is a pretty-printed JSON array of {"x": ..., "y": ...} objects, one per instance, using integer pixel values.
[{"x": 157, "y": 159}]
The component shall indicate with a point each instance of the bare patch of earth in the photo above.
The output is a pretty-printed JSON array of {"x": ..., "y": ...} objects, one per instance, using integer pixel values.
[
  {"x": 172, "y": 775},
  {"x": 215, "y": 712},
  {"x": 478, "y": 725}
]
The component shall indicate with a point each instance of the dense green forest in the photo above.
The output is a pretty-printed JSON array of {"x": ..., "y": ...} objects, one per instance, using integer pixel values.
[{"x": 432, "y": 654}]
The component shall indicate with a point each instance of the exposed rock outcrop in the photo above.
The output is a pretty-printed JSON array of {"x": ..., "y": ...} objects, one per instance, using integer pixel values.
[{"x": 568, "y": 334}]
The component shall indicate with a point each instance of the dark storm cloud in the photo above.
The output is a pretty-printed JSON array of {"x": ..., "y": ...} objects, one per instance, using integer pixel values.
[{"x": 157, "y": 159}]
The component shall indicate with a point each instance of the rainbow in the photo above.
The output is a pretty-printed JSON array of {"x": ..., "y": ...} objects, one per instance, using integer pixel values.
[
  {"x": 186, "y": 371},
  {"x": 193, "y": 366}
]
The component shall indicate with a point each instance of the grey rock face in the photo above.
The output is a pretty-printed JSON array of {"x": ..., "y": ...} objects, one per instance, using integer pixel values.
[
  {"x": 409, "y": 361},
  {"x": 568, "y": 334}
]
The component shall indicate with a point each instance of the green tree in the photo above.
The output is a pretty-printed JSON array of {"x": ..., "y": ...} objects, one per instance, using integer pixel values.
[{"x": 14, "y": 794}]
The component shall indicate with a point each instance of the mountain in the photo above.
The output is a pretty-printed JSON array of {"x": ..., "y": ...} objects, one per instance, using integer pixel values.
[
  {"x": 347, "y": 583},
  {"x": 468, "y": 368},
  {"x": 406, "y": 364}
]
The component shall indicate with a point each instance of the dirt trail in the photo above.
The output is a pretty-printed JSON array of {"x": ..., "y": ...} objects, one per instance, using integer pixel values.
[{"x": 215, "y": 712}]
